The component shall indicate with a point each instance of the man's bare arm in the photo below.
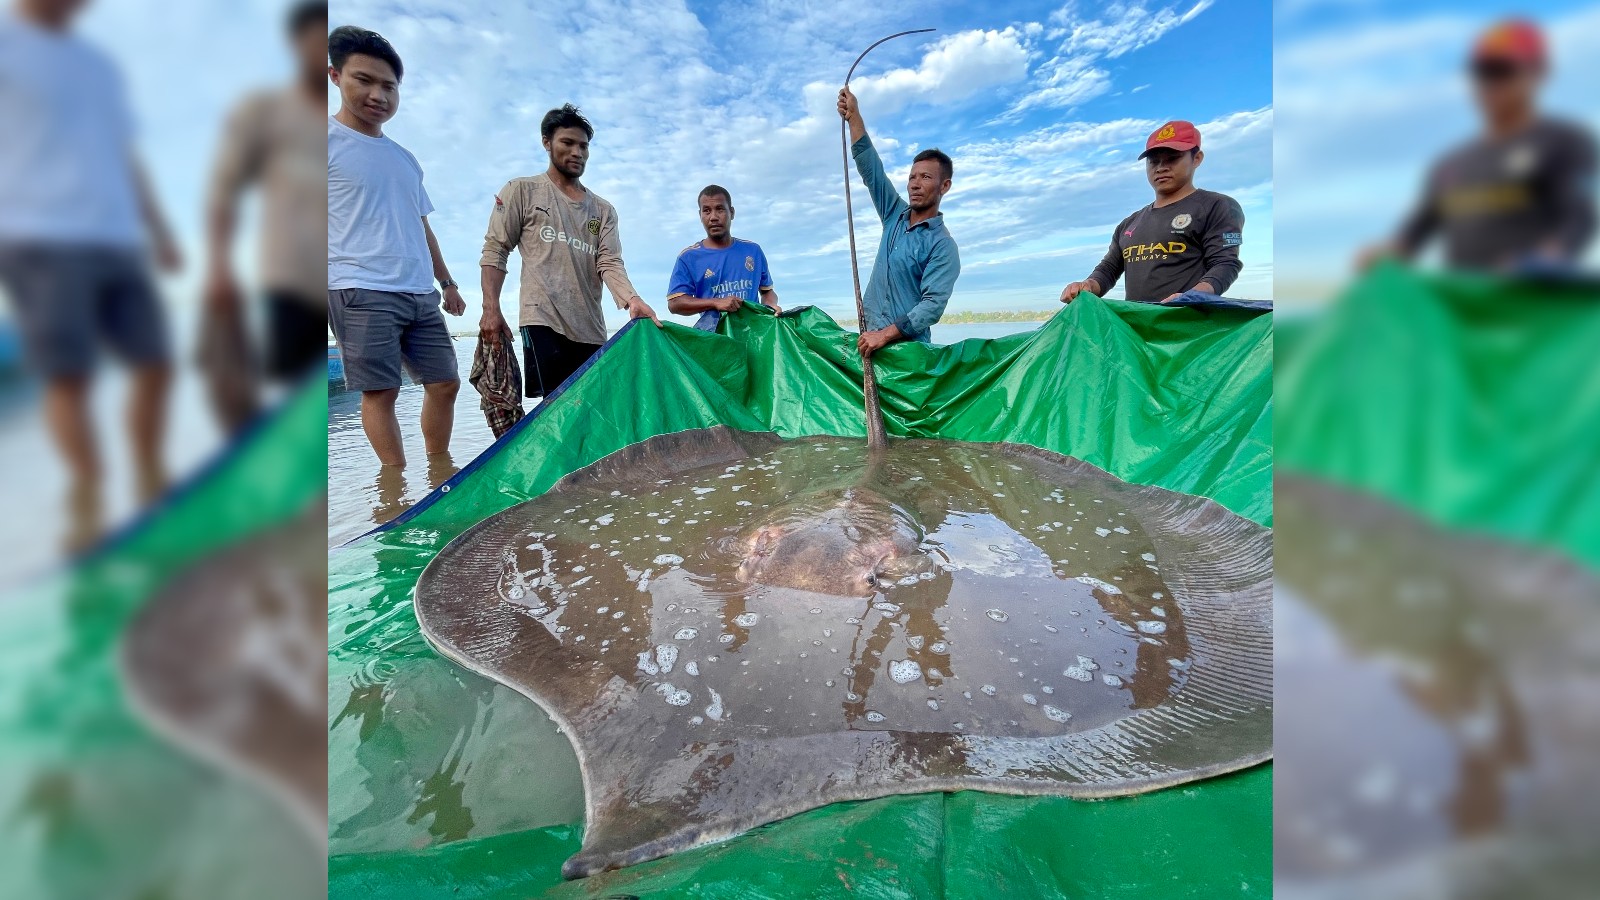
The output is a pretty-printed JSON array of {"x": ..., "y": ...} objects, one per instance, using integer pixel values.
[
  {"x": 684, "y": 304},
  {"x": 453, "y": 304},
  {"x": 494, "y": 279},
  {"x": 166, "y": 249}
]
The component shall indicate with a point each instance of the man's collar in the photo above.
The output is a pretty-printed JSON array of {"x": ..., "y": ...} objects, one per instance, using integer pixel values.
[{"x": 936, "y": 217}]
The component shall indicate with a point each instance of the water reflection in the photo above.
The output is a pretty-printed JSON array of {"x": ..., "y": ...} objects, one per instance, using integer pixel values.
[
  {"x": 388, "y": 490},
  {"x": 1437, "y": 709}
]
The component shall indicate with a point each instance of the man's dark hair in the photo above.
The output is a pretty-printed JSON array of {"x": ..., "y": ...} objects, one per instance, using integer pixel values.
[
  {"x": 716, "y": 190},
  {"x": 305, "y": 14},
  {"x": 947, "y": 169},
  {"x": 348, "y": 40},
  {"x": 565, "y": 117}
]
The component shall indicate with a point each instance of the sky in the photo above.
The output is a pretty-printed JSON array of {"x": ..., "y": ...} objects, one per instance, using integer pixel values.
[
  {"x": 1370, "y": 93},
  {"x": 1044, "y": 107}
]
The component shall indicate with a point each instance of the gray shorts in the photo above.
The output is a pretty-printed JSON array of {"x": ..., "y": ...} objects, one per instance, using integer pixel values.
[
  {"x": 378, "y": 330},
  {"x": 69, "y": 299}
]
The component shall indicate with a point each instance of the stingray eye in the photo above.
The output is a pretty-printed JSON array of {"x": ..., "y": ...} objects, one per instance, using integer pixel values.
[{"x": 765, "y": 541}]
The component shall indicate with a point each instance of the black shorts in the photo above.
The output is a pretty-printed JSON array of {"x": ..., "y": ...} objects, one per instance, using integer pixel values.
[
  {"x": 296, "y": 334},
  {"x": 549, "y": 358}
]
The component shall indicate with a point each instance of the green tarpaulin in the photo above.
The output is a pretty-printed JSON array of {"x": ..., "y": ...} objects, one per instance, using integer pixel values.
[
  {"x": 444, "y": 785},
  {"x": 92, "y": 802},
  {"x": 1472, "y": 401}
]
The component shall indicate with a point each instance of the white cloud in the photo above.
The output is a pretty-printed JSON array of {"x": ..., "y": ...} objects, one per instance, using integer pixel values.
[
  {"x": 956, "y": 68},
  {"x": 1123, "y": 29},
  {"x": 1074, "y": 75}
]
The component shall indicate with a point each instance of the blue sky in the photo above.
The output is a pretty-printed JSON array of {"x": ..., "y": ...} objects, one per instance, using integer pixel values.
[
  {"x": 1044, "y": 107},
  {"x": 1369, "y": 94}
]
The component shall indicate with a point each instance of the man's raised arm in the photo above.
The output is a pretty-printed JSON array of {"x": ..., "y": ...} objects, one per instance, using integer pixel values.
[{"x": 885, "y": 199}]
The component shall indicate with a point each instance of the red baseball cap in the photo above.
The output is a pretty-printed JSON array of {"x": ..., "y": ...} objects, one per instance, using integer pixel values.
[
  {"x": 1176, "y": 135},
  {"x": 1516, "y": 41}
]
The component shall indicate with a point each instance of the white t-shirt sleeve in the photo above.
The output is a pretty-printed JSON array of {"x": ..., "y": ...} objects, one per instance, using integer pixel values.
[{"x": 423, "y": 203}]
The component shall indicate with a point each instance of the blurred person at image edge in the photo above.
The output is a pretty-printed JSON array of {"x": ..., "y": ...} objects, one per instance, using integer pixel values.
[
  {"x": 273, "y": 140},
  {"x": 78, "y": 225},
  {"x": 1518, "y": 197}
]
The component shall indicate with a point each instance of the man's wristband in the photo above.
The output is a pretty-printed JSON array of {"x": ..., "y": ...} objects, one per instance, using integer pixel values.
[{"x": 447, "y": 284}]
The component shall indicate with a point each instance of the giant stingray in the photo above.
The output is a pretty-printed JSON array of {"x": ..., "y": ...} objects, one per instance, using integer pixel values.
[{"x": 733, "y": 628}]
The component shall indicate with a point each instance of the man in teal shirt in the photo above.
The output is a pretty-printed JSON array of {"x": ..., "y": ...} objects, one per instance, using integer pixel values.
[{"x": 917, "y": 262}]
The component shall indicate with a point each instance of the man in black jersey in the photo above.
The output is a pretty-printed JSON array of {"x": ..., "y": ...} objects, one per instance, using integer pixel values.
[
  {"x": 1519, "y": 194},
  {"x": 1187, "y": 240}
]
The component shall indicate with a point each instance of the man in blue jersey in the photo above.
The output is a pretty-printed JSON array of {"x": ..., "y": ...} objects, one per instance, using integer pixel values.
[{"x": 717, "y": 274}]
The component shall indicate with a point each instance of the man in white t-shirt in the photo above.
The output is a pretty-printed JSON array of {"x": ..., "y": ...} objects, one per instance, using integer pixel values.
[
  {"x": 382, "y": 256},
  {"x": 78, "y": 226}
]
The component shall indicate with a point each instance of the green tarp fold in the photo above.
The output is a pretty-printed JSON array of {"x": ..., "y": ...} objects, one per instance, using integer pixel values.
[
  {"x": 92, "y": 802},
  {"x": 1470, "y": 400},
  {"x": 444, "y": 785}
]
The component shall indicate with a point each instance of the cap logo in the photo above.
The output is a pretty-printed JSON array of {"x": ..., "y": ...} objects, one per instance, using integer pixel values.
[
  {"x": 1182, "y": 220},
  {"x": 1166, "y": 133}
]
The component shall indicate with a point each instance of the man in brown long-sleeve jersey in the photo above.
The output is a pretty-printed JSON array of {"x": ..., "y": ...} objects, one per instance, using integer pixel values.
[{"x": 568, "y": 239}]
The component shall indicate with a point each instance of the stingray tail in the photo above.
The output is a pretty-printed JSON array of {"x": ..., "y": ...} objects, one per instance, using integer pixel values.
[{"x": 877, "y": 437}]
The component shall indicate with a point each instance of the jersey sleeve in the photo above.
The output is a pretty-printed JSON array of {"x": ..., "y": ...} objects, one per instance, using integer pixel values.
[
  {"x": 884, "y": 197},
  {"x": 1422, "y": 221},
  {"x": 1110, "y": 268},
  {"x": 938, "y": 283},
  {"x": 764, "y": 274},
  {"x": 1575, "y": 195},
  {"x": 1220, "y": 245},
  {"x": 505, "y": 226},
  {"x": 608, "y": 259},
  {"x": 424, "y": 203},
  {"x": 682, "y": 281}
]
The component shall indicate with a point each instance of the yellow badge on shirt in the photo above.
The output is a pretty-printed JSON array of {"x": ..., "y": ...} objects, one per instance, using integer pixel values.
[{"x": 750, "y": 263}]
